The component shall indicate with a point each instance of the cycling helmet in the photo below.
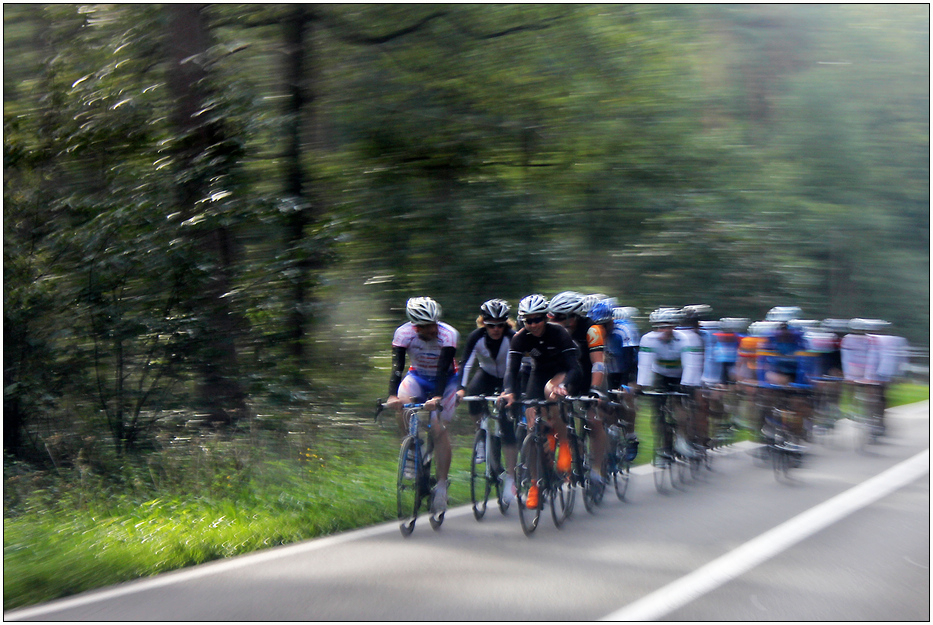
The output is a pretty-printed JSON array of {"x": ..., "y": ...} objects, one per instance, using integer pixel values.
[
  {"x": 588, "y": 301},
  {"x": 497, "y": 309},
  {"x": 835, "y": 325},
  {"x": 423, "y": 310},
  {"x": 711, "y": 326},
  {"x": 878, "y": 325},
  {"x": 803, "y": 324},
  {"x": 565, "y": 303},
  {"x": 733, "y": 324},
  {"x": 665, "y": 317},
  {"x": 532, "y": 305},
  {"x": 624, "y": 313},
  {"x": 699, "y": 312},
  {"x": 763, "y": 328},
  {"x": 860, "y": 325},
  {"x": 783, "y": 313},
  {"x": 601, "y": 312}
]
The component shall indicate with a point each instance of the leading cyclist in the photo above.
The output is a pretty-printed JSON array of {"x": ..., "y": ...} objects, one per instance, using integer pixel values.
[{"x": 432, "y": 379}]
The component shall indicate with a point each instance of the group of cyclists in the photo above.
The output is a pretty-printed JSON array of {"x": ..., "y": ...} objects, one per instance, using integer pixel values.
[{"x": 587, "y": 345}]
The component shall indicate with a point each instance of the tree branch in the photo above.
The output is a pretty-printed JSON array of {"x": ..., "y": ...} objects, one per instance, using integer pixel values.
[{"x": 344, "y": 33}]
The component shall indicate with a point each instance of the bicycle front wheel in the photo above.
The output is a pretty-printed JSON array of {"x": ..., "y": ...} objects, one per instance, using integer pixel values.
[
  {"x": 408, "y": 492},
  {"x": 528, "y": 473},
  {"x": 479, "y": 485}
]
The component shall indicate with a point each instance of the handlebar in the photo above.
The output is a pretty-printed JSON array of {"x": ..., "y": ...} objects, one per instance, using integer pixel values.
[{"x": 381, "y": 405}]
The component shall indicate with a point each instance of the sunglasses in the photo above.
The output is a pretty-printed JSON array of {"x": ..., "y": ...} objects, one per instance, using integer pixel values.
[
  {"x": 500, "y": 324},
  {"x": 561, "y": 317},
  {"x": 534, "y": 320}
]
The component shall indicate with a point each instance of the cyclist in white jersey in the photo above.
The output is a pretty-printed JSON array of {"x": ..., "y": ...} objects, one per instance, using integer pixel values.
[
  {"x": 432, "y": 379},
  {"x": 484, "y": 365},
  {"x": 668, "y": 359},
  {"x": 887, "y": 355}
]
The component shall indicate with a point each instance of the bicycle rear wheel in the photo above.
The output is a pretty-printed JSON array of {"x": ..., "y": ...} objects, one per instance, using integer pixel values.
[
  {"x": 529, "y": 463},
  {"x": 408, "y": 492},
  {"x": 621, "y": 479},
  {"x": 479, "y": 485}
]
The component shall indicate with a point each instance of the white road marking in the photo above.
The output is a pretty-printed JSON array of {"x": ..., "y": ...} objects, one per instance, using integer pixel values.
[{"x": 754, "y": 552}]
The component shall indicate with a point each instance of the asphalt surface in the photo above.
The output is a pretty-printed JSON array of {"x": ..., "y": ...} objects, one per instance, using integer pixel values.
[{"x": 847, "y": 539}]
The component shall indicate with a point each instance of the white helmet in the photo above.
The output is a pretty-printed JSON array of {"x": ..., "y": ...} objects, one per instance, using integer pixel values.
[
  {"x": 835, "y": 325},
  {"x": 711, "y": 326},
  {"x": 495, "y": 309},
  {"x": 565, "y": 303},
  {"x": 733, "y": 324},
  {"x": 532, "y": 305},
  {"x": 623, "y": 313},
  {"x": 423, "y": 310},
  {"x": 763, "y": 328},
  {"x": 803, "y": 324},
  {"x": 589, "y": 301},
  {"x": 783, "y": 313},
  {"x": 665, "y": 317},
  {"x": 860, "y": 325}
]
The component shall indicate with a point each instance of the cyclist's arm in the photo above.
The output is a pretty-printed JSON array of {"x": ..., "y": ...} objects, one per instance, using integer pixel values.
[
  {"x": 469, "y": 357},
  {"x": 512, "y": 366},
  {"x": 444, "y": 364}
]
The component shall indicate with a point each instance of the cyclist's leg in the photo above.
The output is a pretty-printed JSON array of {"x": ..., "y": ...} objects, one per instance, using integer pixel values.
[
  {"x": 410, "y": 391},
  {"x": 442, "y": 448},
  {"x": 553, "y": 415}
]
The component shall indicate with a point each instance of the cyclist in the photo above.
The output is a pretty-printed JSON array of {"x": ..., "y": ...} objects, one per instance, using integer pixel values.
[
  {"x": 668, "y": 359},
  {"x": 432, "y": 379},
  {"x": 554, "y": 367},
  {"x": 784, "y": 360},
  {"x": 719, "y": 369},
  {"x": 622, "y": 346},
  {"x": 887, "y": 356},
  {"x": 484, "y": 360},
  {"x": 823, "y": 341},
  {"x": 696, "y": 320}
]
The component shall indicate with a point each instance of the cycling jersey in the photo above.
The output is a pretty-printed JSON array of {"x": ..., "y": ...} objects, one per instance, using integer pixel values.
[
  {"x": 854, "y": 349},
  {"x": 486, "y": 354},
  {"x": 886, "y": 357},
  {"x": 680, "y": 357},
  {"x": 785, "y": 352},
  {"x": 432, "y": 360},
  {"x": 825, "y": 347},
  {"x": 589, "y": 337},
  {"x": 622, "y": 349},
  {"x": 553, "y": 353},
  {"x": 749, "y": 347},
  {"x": 720, "y": 356}
]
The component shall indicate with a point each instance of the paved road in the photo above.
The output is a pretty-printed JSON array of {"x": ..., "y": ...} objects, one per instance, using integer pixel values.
[{"x": 848, "y": 540}]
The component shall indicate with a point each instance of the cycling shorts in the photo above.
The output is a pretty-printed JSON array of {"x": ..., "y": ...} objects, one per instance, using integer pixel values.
[{"x": 419, "y": 389}]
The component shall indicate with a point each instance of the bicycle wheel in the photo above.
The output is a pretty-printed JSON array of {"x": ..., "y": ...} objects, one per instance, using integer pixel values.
[
  {"x": 680, "y": 473},
  {"x": 662, "y": 472},
  {"x": 408, "y": 493},
  {"x": 479, "y": 485},
  {"x": 593, "y": 491},
  {"x": 621, "y": 478},
  {"x": 561, "y": 485},
  {"x": 529, "y": 463}
]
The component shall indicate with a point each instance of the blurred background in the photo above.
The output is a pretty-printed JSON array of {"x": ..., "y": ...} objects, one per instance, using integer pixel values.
[{"x": 210, "y": 210}]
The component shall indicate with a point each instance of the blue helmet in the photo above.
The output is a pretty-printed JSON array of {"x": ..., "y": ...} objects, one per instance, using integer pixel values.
[{"x": 601, "y": 312}]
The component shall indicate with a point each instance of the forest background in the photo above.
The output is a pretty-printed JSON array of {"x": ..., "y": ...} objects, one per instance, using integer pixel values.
[{"x": 214, "y": 214}]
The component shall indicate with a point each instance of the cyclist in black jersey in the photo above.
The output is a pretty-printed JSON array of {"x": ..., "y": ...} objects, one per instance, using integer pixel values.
[
  {"x": 554, "y": 367},
  {"x": 484, "y": 361}
]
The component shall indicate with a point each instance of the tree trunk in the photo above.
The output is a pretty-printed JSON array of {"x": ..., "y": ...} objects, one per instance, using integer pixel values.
[{"x": 202, "y": 140}]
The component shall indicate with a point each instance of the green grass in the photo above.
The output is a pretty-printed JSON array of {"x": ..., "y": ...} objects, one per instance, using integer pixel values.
[{"x": 75, "y": 530}]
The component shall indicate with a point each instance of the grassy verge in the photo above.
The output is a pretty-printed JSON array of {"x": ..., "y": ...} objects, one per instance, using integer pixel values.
[{"x": 75, "y": 530}]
